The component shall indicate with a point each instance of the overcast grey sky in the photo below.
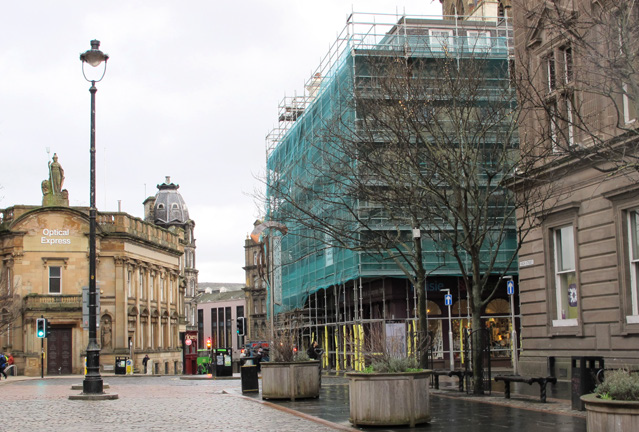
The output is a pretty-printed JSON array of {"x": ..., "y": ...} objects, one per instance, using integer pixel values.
[{"x": 191, "y": 90}]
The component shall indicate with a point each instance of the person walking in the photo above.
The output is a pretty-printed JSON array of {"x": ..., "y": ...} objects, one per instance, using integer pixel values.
[
  {"x": 314, "y": 351},
  {"x": 258, "y": 359},
  {"x": 145, "y": 360},
  {"x": 10, "y": 363},
  {"x": 3, "y": 365}
]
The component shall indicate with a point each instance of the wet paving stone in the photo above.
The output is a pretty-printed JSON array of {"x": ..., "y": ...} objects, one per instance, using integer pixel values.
[
  {"x": 452, "y": 411},
  {"x": 169, "y": 403}
]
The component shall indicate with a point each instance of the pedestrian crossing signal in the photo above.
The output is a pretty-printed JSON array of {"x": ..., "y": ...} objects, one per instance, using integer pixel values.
[{"x": 41, "y": 327}]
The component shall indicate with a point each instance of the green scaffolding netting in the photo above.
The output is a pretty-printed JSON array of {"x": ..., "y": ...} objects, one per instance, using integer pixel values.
[{"x": 306, "y": 260}]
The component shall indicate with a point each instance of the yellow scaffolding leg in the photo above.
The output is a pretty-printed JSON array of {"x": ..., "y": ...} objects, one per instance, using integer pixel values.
[
  {"x": 325, "y": 356},
  {"x": 361, "y": 353},
  {"x": 355, "y": 347},
  {"x": 344, "y": 347},
  {"x": 336, "y": 349},
  {"x": 411, "y": 350}
]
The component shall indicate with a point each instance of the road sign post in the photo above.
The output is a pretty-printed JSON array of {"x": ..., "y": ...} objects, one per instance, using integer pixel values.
[
  {"x": 448, "y": 301},
  {"x": 510, "y": 288}
]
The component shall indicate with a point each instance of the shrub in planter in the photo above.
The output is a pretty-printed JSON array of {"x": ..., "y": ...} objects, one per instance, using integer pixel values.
[
  {"x": 392, "y": 390},
  {"x": 290, "y": 374},
  {"x": 389, "y": 364},
  {"x": 614, "y": 407},
  {"x": 619, "y": 385}
]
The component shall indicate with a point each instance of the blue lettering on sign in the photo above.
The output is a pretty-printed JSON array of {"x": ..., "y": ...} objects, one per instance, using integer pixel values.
[{"x": 434, "y": 286}]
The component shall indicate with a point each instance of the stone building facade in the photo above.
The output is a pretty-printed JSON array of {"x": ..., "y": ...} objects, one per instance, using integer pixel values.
[
  {"x": 44, "y": 262},
  {"x": 475, "y": 9},
  {"x": 578, "y": 268},
  {"x": 167, "y": 209},
  {"x": 255, "y": 289},
  {"x": 217, "y": 317}
]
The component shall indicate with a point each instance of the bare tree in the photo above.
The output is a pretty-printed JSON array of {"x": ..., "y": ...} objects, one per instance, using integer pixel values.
[
  {"x": 413, "y": 167},
  {"x": 577, "y": 76}
]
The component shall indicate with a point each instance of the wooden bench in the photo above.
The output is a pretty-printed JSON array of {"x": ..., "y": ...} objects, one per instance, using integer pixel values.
[
  {"x": 460, "y": 374},
  {"x": 542, "y": 381}
]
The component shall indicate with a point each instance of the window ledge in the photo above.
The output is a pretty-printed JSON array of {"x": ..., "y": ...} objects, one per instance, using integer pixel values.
[
  {"x": 632, "y": 319},
  {"x": 565, "y": 323}
]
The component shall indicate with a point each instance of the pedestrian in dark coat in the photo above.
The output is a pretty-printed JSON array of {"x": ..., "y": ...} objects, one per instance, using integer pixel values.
[
  {"x": 314, "y": 351},
  {"x": 258, "y": 359}
]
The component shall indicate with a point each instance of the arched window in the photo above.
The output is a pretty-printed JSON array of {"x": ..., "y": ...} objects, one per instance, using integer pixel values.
[
  {"x": 498, "y": 307},
  {"x": 432, "y": 308}
]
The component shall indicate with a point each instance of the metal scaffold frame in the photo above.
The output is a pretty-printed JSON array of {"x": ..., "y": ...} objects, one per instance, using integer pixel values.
[{"x": 332, "y": 294}]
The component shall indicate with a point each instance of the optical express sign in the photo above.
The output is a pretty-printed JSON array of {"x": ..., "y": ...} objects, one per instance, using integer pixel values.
[{"x": 55, "y": 237}]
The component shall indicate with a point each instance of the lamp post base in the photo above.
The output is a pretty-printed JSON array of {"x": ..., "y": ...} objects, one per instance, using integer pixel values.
[
  {"x": 93, "y": 385},
  {"x": 103, "y": 396},
  {"x": 81, "y": 387}
]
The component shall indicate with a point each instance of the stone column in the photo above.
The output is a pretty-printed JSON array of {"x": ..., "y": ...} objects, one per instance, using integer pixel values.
[{"x": 121, "y": 323}]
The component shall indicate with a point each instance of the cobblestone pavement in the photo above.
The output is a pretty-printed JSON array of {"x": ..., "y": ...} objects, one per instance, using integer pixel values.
[
  {"x": 149, "y": 403},
  {"x": 144, "y": 404}
]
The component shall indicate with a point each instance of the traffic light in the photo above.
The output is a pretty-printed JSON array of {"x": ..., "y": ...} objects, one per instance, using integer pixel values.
[
  {"x": 241, "y": 328},
  {"x": 41, "y": 327},
  {"x": 208, "y": 343},
  {"x": 47, "y": 328}
]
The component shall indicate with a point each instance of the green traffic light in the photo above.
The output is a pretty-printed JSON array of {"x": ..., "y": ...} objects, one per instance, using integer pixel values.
[{"x": 41, "y": 327}]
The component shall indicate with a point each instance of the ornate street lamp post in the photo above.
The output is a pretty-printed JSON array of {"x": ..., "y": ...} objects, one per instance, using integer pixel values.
[{"x": 93, "y": 383}]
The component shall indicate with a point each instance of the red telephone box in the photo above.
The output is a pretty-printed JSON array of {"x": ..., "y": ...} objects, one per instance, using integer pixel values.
[{"x": 190, "y": 353}]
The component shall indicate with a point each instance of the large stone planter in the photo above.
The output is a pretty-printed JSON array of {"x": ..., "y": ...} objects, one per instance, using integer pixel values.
[
  {"x": 604, "y": 415},
  {"x": 386, "y": 399},
  {"x": 290, "y": 380}
]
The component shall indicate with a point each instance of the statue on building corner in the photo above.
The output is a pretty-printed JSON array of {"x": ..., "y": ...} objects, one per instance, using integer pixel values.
[
  {"x": 52, "y": 192},
  {"x": 56, "y": 175}
]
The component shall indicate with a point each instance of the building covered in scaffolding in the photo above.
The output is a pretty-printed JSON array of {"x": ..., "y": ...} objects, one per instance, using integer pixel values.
[{"x": 324, "y": 278}]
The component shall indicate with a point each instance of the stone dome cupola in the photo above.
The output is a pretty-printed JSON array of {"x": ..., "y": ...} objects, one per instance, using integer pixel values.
[{"x": 169, "y": 207}]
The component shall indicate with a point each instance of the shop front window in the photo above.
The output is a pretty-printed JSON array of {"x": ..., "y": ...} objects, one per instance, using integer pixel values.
[
  {"x": 435, "y": 329},
  {"x": 499, "y": 327},
  {"x": 460, "y": 321}
]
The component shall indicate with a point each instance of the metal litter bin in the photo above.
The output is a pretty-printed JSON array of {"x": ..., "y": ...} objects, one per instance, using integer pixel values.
[
  {"x": 250, "y": 382},
  {"x": 120, "y": 365},
  {"x": 584, "y": 378}
]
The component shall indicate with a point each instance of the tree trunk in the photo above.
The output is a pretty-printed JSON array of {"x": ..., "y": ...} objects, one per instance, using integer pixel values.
[
  {"x": 477, "y": 341},
  {"x": 478, "y": 354},
  {"x": 422, "y": 311}
]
